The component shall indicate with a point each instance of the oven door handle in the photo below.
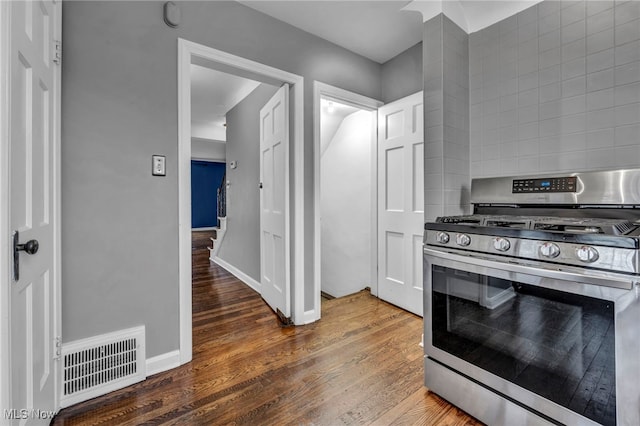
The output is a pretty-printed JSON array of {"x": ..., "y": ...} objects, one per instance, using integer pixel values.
[{"x": 586, "y": 277}]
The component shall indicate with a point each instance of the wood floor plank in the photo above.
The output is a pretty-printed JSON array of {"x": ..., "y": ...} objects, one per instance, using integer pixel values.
[{"x": 360, "y": 364}]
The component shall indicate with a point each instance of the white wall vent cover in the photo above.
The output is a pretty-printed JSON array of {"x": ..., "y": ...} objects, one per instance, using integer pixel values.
[{"x": 101, "y": 364}]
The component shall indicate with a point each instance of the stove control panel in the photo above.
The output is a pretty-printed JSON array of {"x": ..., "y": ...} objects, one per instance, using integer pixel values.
[
  {"x": 548, "y": 255},
  {"x": 559, "y": 184}
]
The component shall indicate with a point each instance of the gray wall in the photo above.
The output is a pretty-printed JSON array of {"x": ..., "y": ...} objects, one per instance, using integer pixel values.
[
  {"x": 557, "y": 88},
  {"x": 241, "y": 244},
  {"x": 119, "y": 107},
  {"x": 446, "y": 117},
  {"x": 402, "y": 75}
]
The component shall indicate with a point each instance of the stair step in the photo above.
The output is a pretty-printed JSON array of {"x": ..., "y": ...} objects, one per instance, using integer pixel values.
[{"x": 202, "y": 239}]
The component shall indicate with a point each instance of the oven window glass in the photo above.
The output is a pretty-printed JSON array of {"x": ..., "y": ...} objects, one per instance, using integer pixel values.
[{"x": 558, "y": 345}]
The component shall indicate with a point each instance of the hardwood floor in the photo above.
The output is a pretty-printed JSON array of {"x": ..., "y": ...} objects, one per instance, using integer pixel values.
[{"x": 360, "y": 364}]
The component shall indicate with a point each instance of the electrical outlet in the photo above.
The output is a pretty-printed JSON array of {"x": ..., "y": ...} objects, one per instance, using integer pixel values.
[{"x": 158, "y": 165}]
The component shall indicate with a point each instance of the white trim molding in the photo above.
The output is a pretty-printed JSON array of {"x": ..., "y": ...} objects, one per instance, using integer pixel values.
[
  {"x": 163, "y": 362},
  {"x": 5, "y": 231},
  {"x": 255, "y": 285},
  {"x": 187, "y": 53},
  {"x": 184, "y": 199},
  {"x": 311, "y": 316},
  {"x": 322, "y": 90}
]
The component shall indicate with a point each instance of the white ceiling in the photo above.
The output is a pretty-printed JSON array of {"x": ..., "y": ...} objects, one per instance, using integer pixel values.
[
  {"x": 378, "y": 30},
  {"x": 213, "y": 94}
]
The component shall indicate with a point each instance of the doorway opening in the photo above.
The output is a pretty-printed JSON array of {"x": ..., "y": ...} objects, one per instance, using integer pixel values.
[
  {"x": 225, "y": 123},
  {"x": 192, "y": 53},
  {"x": 347, "y": 143},
  {"x": 345, "y": 150},
  {"x": 206, "y": 184}
]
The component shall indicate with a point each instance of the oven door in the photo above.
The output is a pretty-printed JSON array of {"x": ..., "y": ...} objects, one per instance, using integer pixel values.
[{"x": 565, "y": 349}]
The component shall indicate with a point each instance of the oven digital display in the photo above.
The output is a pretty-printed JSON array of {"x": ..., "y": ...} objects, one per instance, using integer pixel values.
[{"x": 559, "y": 184}]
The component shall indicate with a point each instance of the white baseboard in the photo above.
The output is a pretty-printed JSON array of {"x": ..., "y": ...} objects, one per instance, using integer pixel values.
[
  {"x": 255, "y": 285},
  {"x": 310, "y": 316},
  {"x": 163, "y": 362}
]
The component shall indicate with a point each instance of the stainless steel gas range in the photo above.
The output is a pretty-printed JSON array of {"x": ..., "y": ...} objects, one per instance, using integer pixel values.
[{"x": 532, "y": 303}]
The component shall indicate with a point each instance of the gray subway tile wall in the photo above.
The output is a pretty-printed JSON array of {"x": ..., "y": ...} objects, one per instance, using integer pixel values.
[
  {"x": 456, "y": 118},
  {"x": 432, "y": 53},
  {"x": 446, "y": 92},
  {"x": 556, "y": 88}
]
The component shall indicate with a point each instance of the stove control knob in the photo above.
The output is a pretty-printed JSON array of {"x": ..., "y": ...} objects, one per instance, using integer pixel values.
[
  {"x": 463, "y": 240},
  {"x": 587, "y": 254},
  {"x": 442, "y": 237},
  {"x": 549, "y": 250},
  {"x": 501, "y": 244}
]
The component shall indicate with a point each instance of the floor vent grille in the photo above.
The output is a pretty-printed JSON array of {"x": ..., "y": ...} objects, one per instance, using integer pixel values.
[{"x": 102, "y": 364}]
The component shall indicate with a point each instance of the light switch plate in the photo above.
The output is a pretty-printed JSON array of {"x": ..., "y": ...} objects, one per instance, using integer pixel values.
[{"x": 158, "y": 165}]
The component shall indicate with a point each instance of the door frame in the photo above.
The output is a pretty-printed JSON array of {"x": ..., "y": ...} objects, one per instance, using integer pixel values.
[
  {"x": 187, "y": 52},
  {"x": 5, "y": 231},
  {"x": 323, "y": 90},
  {"x": 5, "y": 211}
]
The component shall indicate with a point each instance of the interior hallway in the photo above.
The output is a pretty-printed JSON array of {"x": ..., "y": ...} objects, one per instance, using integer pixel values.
[{"x": 360, "y": 364}]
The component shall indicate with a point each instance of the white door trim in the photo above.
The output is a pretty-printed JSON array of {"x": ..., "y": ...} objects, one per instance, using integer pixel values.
[
  {"x": 5, "y": 225},
  {"x": 321, "y": 90},
  {"x": 186, "y": 51},
  {"x": 5, "y": 231}
]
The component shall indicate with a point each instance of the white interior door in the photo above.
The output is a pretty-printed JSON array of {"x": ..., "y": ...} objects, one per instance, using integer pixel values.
[
  {"x": 34, "y": 116},
  {"x": 274, "y": 172},
  {"x": 401, "y": 202}
]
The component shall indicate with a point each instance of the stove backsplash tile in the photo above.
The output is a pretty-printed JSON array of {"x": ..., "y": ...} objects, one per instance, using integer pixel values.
[{"x": 556, "y": 88}]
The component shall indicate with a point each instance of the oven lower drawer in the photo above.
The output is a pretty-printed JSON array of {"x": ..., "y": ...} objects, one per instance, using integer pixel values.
[
  {"x": 475, "y": 399},
  {"x": 564, "y": 349}
]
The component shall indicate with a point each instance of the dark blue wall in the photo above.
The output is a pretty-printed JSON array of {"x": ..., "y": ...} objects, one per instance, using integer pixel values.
[{"x": 206, "y": 177}]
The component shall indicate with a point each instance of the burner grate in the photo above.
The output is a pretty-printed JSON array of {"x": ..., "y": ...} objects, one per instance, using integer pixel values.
[{"x": 546, "y": 223}]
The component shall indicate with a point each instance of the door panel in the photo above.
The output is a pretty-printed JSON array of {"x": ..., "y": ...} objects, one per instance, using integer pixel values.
[
  {"x": 32, "y": 102},
  {"x": 274, "y": 158},
  {"x": 394, "y": 173},
  {"x": 401, "y": 202},
  {"x": 394, "y": 258}
]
